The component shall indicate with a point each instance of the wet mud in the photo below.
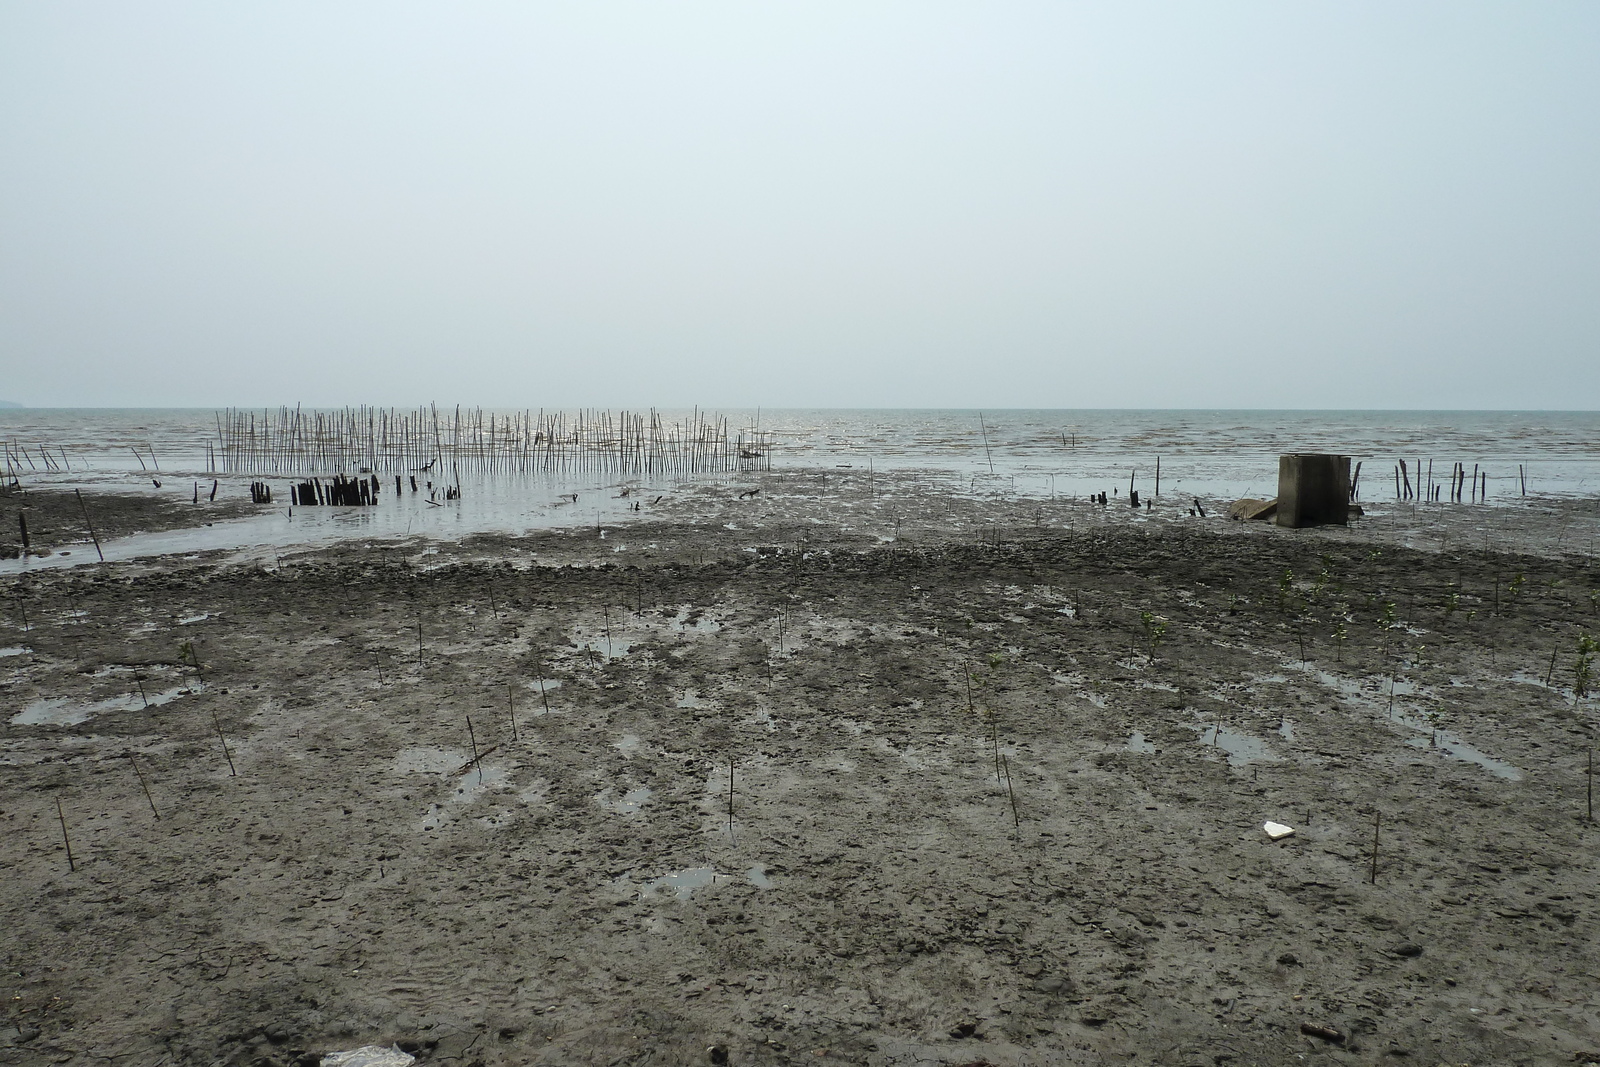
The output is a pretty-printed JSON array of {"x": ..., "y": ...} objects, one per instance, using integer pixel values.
[{"x": 790, "y": 793}]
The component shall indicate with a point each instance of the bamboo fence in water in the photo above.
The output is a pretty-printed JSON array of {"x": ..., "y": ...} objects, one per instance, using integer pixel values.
[{"x": 388, "y": 440}]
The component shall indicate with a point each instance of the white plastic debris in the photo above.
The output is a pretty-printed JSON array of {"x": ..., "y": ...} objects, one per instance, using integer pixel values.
[
  {"x": 1275, "y": 830},
  {"x": 369, "y": 1056}
]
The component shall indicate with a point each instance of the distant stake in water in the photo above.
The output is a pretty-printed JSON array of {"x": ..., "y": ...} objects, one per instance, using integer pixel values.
[{"x": 511, "y": 701}]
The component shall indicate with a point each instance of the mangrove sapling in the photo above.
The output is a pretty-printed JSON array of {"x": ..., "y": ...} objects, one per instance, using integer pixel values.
[
  {"x": 187, "y": 654},
  {"x": 1583, "y": 668},
  {"x": 1155, "y": 628},
  {"x": 1340, "y": 634}
]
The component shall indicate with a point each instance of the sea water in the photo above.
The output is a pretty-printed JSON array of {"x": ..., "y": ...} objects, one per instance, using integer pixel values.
[{"x": 1019, "y": 454}]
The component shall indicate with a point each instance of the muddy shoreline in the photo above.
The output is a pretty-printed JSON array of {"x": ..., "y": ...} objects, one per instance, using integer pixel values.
[{"x": 999, "y": 774}]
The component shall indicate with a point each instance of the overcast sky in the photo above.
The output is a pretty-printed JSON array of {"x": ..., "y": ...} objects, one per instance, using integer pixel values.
[{"x": 1195, "y": 204}]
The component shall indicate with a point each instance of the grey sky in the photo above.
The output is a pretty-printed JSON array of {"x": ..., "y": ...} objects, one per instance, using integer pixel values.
[{"x": 845, "y": 204}]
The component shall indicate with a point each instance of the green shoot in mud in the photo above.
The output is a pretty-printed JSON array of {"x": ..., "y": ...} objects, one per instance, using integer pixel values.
[
  {"x": 1514, "y": 587},
  {"x": 1452, "y": 603},
  {"x": 1340, "y": 635},
  {"x": 1321, "y": 582},
  {"x": 187, "y": 654},
  {"x": 1285, "y": 587},
  {"x": 1155, "y": 628}
]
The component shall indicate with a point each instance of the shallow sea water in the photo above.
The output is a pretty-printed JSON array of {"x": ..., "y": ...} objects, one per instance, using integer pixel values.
[{"x": 1011, "y": 454}]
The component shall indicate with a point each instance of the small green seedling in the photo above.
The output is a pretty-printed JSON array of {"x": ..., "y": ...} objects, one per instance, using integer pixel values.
[
  {"x": 1155, "y": 628},
  {"x": 187, "y": 654},
  {"x": 1583, "y": 669}
]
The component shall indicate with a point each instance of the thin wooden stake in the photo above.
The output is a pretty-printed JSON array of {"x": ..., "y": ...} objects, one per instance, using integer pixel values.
[
  {"x": 144, "y": 785},
  {"x": 474, "y": 739},
  {"x": 1016, "y": 820},
  {"x": 89, "y": 524},
  {"x": 232, "y": 770},
  {"x": 511, "y": 700},
  {"x": 730, "y": 799},
  {"x": 1377, "y": 821},
  {"x": 71, "y": 863},
  {"x": 542, "y": 698}
]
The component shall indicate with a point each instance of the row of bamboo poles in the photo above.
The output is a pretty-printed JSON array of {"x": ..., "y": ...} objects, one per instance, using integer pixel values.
[{"x": 290, "y": 441}]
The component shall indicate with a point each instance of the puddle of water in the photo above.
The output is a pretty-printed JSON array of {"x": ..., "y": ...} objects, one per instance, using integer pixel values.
[
  {"x": 532, "y": 702},
  {"x": 1137, "y": 743},
  {"x": 688, "y": 621},
  {"x": 691, "y": 699},
  {"x": 760, "y": 717},
  {"x": 757, "y": 877},
  {"x": 479, "y": 780},
  {"x": 1241, "y": 748},
  {"x": 67, "y": 711},
  {"x": 1452, "y": 745},
  {"x": 683, "y": 883},
  {"x": 469, "y": 786},
  {"x": 1286, "y": 729},
  {"x": 1449, "y": 744},
  {"x": 190, "y": 620},
  {"x": 15, "y": 650},
  {"x": 626, "y": 743},
  {"x": 628, "y": 804}
]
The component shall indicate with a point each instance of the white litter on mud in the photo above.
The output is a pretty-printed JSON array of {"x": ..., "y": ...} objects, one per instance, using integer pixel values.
[{"x": 1277, "y": 830}]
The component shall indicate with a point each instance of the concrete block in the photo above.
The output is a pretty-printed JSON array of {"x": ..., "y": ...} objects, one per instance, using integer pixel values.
[{"x": 1313, "y": 490}]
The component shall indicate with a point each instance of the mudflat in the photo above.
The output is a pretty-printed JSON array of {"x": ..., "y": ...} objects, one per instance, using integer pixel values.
[{"x": 839, "y": 772}]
